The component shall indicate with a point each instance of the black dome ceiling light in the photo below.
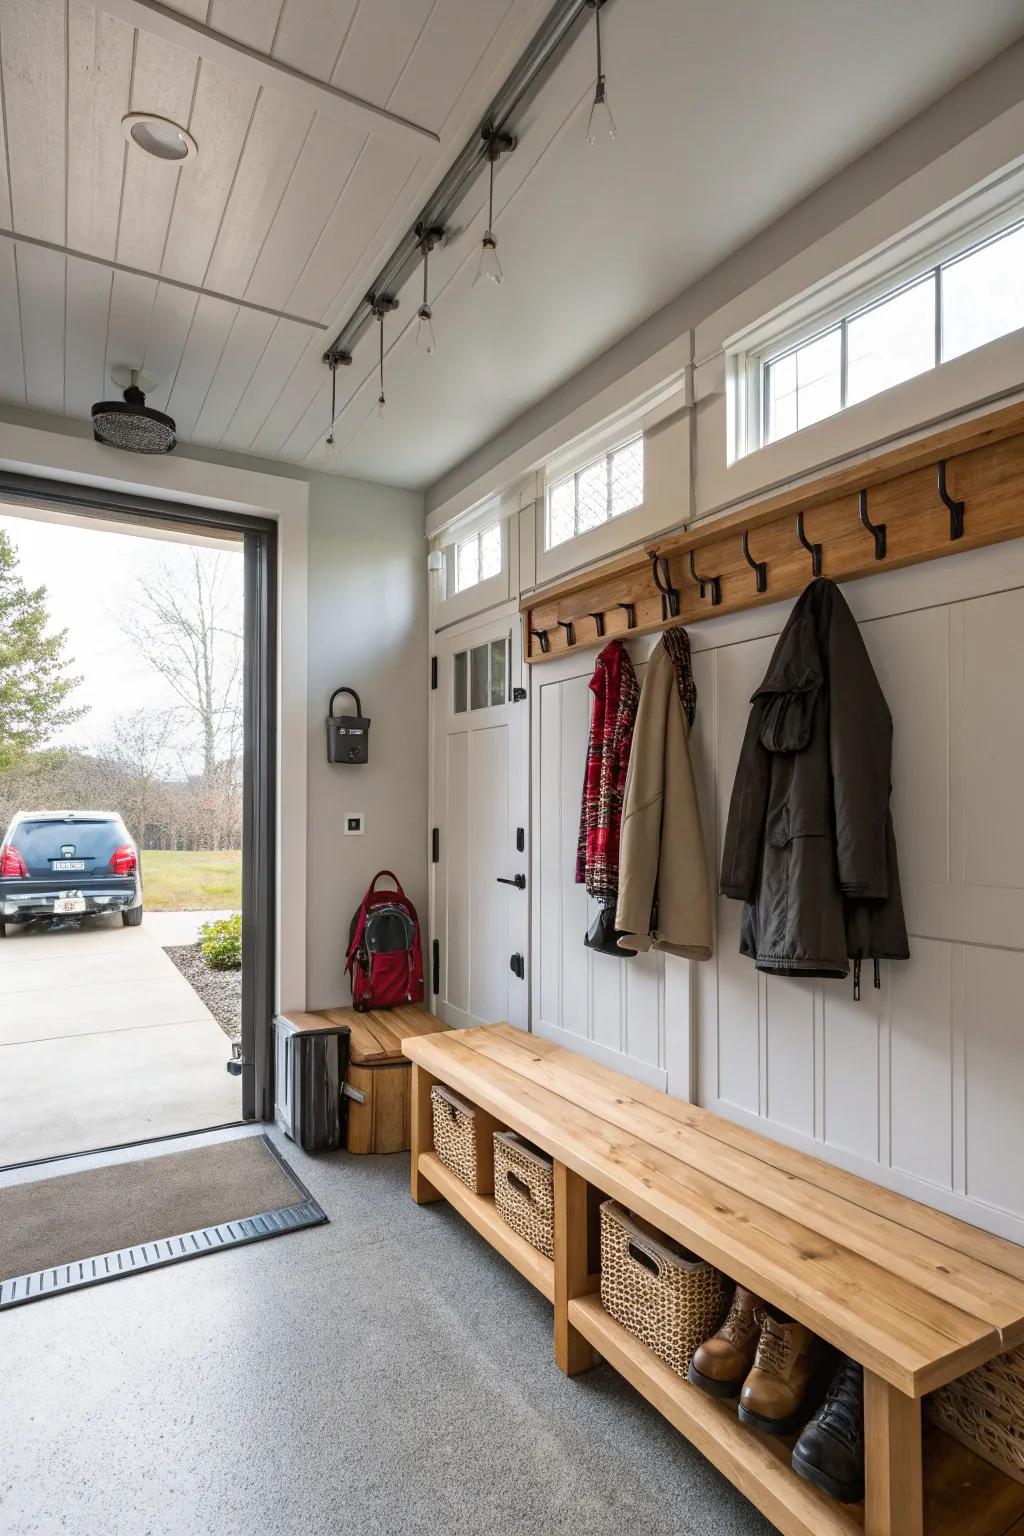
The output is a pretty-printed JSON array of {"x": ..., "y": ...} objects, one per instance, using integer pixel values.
[{"x": 130, "y": 423}]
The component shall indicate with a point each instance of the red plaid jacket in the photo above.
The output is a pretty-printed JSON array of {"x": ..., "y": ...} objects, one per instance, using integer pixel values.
[{"x": 616, "y": 696}]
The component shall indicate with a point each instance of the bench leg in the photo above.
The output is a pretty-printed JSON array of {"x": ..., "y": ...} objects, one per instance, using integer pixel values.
[
  {"x": 892, "y": 1462},
  {"x": 572, "y": 1351},
  {"x": 421, "y": 1135}
]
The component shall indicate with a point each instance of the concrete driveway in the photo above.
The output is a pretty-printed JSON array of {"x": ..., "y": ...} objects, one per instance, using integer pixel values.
[{"x": 102, "y": 1041}]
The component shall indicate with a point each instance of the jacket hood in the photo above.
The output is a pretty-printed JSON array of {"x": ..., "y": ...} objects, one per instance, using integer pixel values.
[{"x": 795, "y": 676}]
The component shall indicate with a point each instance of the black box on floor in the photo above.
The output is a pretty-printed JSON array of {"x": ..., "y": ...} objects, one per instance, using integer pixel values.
[{"x": 310, "y": 1062}]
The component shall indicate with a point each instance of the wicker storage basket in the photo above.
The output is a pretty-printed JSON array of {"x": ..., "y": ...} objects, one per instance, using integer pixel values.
[
  {"x": 524, "y": 1190},
  {"x": 463, "y": 1139},
  {"x": 668, "y": 1299},
  {"x": 984, "y": 1410}
]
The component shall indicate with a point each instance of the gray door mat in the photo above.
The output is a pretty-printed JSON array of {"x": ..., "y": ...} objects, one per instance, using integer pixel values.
[{"x": 175, "y": 1248}]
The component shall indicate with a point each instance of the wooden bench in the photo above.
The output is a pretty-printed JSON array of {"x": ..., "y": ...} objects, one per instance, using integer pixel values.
[{"x": 915, "y": 1296}]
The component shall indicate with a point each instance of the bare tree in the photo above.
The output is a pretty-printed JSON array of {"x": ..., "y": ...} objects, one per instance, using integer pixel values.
[
  {"x": 186, "y": 622},
  {"x": 136, "y": 755}
]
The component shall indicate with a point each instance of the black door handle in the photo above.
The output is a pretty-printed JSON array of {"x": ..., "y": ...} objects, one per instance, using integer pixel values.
[{"x": 519, "y": 881}]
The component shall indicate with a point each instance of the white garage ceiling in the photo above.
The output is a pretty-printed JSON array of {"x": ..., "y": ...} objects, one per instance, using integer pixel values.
[{"x": 727, "y": 114}]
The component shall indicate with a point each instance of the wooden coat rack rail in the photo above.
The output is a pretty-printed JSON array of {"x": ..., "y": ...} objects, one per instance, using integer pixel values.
[{"x": 957, "y": 489}]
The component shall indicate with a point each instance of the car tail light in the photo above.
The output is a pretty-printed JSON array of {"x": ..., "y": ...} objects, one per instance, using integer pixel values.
[
  {"x": 124, "y": 861},
  {"x": 12, "y": 865}
]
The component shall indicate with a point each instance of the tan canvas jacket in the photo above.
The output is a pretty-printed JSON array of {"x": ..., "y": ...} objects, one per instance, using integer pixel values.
[{"x": 664, "y": 899}]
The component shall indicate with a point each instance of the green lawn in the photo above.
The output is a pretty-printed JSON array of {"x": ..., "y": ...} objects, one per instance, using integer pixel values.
[{"x": 191, "y": 882}]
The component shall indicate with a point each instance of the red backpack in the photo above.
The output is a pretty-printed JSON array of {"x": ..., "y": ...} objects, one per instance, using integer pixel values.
[{"x": 385, "y": 959}]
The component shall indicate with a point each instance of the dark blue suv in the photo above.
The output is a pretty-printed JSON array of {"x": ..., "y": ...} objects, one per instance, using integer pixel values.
[{"x": 61, "y": 863}]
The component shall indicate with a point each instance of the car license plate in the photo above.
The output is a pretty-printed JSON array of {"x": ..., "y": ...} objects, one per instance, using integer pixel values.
[
  {"x": 69, "y": 904},
  {"x": 68, "y": 864}
]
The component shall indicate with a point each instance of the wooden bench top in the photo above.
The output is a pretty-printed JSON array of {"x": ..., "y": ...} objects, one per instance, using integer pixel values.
[
  {"x": 913, "y": 1294},
  {"x": 375, "y": 1036}
]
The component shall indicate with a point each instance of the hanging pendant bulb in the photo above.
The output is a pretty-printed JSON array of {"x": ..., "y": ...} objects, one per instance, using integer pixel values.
[
  {"x": 381, "y": 401},
  {"x": 426, "y": 341},
  {"x": 331, "y": 453},
  {"x": 600, "y": 123},
  {"x": 488, "y": 266}
]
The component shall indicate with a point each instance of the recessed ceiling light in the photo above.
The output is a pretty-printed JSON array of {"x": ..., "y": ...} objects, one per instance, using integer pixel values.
[{"x": 158, "y": 136}]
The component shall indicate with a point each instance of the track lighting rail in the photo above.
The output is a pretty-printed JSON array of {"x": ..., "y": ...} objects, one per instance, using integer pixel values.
[
  {"x": 525, "y": 79},
  {"x": 919, "y": 494}
]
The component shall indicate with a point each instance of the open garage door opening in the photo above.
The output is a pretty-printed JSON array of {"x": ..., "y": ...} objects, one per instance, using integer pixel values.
[{"x": 135, "y": 733}]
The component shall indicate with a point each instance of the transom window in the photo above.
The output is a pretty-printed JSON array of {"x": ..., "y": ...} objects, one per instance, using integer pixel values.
[
  {"x": 601, "y": 490},
  {"x": 956, "y": 305},
  {"x": 478, "y": 557}
]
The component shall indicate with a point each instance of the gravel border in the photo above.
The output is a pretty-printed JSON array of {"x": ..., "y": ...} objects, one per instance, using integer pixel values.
[{"x": 221, "y": 991}]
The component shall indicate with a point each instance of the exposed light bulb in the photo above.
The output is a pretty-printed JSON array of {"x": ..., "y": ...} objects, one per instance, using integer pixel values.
[
  {"x": 381, "y": 404},
  {"x": 488, "y": 266},
  {"x": 425, "y": 338},
  {"x": 601, "y": 123},
  {"x": 331, "y": 452}
]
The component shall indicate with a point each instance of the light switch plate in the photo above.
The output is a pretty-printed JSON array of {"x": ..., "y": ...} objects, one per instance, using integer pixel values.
[{"x": 355, "y": 824}]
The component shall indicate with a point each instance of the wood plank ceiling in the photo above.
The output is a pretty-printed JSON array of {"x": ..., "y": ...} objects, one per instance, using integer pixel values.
[{"x": 285, "y": 207}]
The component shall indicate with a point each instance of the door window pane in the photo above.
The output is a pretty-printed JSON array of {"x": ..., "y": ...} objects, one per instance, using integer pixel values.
[
  {"x": 479, "y": 687},
  {"x": 983, "y": 295},
  {"x": 460, "y": 682},
  {"x": 499, "y": 671},
  {"x": 891, "y": 342},
  {"x": 562, "y": 512}
]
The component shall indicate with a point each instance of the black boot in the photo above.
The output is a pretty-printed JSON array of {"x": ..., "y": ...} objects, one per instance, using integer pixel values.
[{"x": 830, "y": 1451}]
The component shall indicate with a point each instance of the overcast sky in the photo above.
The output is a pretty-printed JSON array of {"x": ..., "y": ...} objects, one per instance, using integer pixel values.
[{"x": 88, "y": 573}]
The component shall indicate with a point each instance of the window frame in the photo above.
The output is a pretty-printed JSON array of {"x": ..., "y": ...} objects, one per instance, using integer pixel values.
[
  {"x": 476, "y": 534},
  {"x": 553, "y": 482},
  {"x": 849, "y": 304}
]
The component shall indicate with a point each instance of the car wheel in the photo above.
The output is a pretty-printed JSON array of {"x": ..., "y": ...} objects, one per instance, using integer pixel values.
[{"x": 131, "y": 917}]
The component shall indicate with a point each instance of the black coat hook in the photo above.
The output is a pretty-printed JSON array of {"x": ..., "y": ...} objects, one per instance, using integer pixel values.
[
  {"x": 663, "y": 581},
  {"x": 956, "y": 508},
  {"x": 814, "y": 550},
  {"x": 760, "y": 567},
  {"x": 878, "y": 529},
  {"x": 542, "y": 636},
  {"x": 598, "y": 619},
  {"x": 570, "y": 630},
  {"x": 714, "y": 582},
  {"x": 630, "y": 614}
]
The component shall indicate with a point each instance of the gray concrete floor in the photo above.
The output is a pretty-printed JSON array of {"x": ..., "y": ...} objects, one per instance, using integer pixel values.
[
  {"x": 102, "y": 1041},
  {"x": 386, "y": 1375}
]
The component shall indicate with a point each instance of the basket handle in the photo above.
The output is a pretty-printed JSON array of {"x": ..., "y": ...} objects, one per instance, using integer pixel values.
[
  {"x": 519, "y": 1185},
  {"x": 643, "y": 1257}
]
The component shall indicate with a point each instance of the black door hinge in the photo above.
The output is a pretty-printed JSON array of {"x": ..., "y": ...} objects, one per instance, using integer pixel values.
[
  {"x": 435, "y": 967},
  {"x": 435, "y": 845},
  {"x": 517, "y": 965},
  {"x": 433, "y": 671},
  {"x": 518, "y": 695},
  {"x": 520, "y": 839}
]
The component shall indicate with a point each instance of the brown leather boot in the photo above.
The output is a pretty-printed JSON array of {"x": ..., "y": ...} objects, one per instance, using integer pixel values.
[
  {"x": 721, "y": 1364},
  {"x": 774, "y": 1394}
]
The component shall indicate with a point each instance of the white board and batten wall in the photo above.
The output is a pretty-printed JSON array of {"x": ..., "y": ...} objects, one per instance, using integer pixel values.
[{"x": 921, "y": 1084}]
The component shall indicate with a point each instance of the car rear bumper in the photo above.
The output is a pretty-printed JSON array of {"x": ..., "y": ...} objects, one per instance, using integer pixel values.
[{"x": 24, "y": 906}]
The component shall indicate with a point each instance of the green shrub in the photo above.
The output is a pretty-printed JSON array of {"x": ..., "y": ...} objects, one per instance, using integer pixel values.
[{"x": 221, "y": 943}]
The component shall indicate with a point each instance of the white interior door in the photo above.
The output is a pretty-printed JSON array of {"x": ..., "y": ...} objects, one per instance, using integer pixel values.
[{"x": 480, "y": 909}]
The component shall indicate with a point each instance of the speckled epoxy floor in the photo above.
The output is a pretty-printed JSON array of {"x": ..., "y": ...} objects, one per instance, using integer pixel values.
[{"x": 387, "y": 1375}]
